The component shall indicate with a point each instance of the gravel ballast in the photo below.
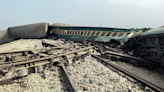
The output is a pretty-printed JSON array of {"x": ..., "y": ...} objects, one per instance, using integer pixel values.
[
  {"x": 92, "y": 76},
  {"x": 88, "y": 75}
]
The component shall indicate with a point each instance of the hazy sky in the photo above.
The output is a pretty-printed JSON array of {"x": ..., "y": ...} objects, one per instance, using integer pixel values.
[{"x": 111, "y": 13}]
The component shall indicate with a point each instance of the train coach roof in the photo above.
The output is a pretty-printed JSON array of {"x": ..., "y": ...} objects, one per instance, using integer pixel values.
[
  {"x": 62, "y": 25},
  {"x": 67, "y": 25},
  {"x": 28, "y": 25},
  {"x": 154, "y": 31}
]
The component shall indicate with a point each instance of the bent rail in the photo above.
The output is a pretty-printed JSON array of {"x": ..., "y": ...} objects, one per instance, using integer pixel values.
[{"x": 147, "y": 83}]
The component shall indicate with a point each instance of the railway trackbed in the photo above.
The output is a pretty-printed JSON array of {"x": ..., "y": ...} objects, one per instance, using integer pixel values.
[
  {"x": 65, "y": 55},
  {"x": 145, "y": 82},
  {"x": 21, "y": 63},
  {"x": 116, "y": 53}
]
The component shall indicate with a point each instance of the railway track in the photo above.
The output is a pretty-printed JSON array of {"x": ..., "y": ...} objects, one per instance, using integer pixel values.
[
  {"x": 116, "y": 53},
  {"x": 19, "y": 63},
  {"x": 17, "y": 60},
  {"x": 66, "y": 76},
  {"x": 145, "y": 82}
]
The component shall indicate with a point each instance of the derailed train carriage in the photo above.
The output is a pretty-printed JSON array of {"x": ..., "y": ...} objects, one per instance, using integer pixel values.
[
  {"x": 37, "y": 30},
  {"x": 149, "y": 45},
  {"x": 99, "y": 34}
]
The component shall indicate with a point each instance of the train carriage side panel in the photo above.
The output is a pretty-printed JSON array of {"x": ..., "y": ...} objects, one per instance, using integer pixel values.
[
  {"x": 151, "y": 45},
  {"x": 37, "y": 30}
]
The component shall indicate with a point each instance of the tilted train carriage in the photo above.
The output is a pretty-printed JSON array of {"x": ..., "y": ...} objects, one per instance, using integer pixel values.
[
  {"x": 37, "y": 30},
  {"x": 149, "y": 45},
  {"x": 81, "y": 33}
]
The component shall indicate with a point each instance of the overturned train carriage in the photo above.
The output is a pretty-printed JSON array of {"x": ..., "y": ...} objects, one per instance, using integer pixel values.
[
  {"x": 100, "y": 34},
  {"x": 37, "y": 30},
  {"x": 149, "y": 45}
]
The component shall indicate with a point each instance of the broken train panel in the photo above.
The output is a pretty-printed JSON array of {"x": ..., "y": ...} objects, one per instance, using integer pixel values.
[{"x": 149, "y": 45}]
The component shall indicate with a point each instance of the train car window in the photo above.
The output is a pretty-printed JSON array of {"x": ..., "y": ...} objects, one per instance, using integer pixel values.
[
  {"x": 72, "y": 32},
  {"x": 58, "y": 31},
  {"x": 121, "y": 34},
  {"x": 92, "y": 33},
  {"x": 79, "y": 33},
  {"x": 55, "y": 30},
  {"x": 114, "y": 34},
  {"x": 85, "y": 33},
  {"x": 97, "y": 33},
  {"x": 62, "y": 31},
  {"x": 118, "y": 34},
  {"x": 65, "y": 31},
  {"x": 68, "y": 32},
  {"x": 82, "y": 32},
  {"x": 124, "y": 34},
  {"x": 89, "y": 32},
  {"x": 75, "y": 32},
  {"x": 127, "y": 33},
  {"x": 103, "y": 33}
]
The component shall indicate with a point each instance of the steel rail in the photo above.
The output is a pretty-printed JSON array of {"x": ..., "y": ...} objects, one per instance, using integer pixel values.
[
  {"x": 70, "y": 83},
  {"x": 121, "y": 55},
  {"x": 49, "y": 57},
  {"x": 147, "y": 83},
  {"x": 126, "y": 56},
  {"x": 11, "y": 66}
]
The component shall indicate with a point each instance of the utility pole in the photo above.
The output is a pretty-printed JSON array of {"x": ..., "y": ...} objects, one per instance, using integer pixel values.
[{"x": 100, "y": 24}]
